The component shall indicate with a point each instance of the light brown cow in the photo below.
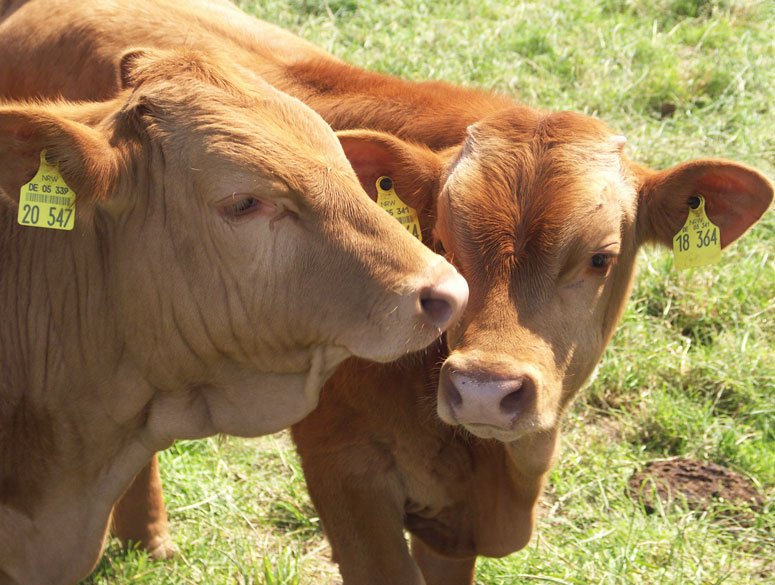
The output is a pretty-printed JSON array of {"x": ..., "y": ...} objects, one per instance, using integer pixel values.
[
  {"x": 543, "y": 214},
  {"x": 223, "y": 260}
]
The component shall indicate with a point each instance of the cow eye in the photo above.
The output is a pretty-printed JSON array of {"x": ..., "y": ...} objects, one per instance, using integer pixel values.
[
  {"x": 238, "y": 205},
  {"x": 248, "y": 205},
  {"x": 602, "y": 262}
]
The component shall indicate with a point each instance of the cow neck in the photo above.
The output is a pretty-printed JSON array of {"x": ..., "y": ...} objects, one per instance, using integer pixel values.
[
  {"x": 54, "y": 282},
  {"x": 53, "y": 293},
  {"x": 57, "y": 339}
]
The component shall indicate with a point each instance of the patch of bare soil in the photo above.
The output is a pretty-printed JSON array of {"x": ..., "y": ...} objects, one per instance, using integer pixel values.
[{"x": 699, "y": 484}]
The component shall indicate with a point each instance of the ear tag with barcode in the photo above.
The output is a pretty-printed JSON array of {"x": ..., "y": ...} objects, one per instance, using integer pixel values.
[
  {"x": 698, "y": 243},
  {"x": 46, "y": 201},
  {"x": 388, "y": 199}
]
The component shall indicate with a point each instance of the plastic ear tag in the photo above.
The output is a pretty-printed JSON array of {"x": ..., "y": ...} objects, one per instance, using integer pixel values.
[
  {"x": 699, "y": 241},
  {"x": 389, "y": 201},
  {"x": 46, "y": 201}
]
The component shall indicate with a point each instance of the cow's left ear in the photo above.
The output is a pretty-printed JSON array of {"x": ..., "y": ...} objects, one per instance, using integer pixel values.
[
  {"x": 736, "y": 196},
  {"x": 415, "y": 170},
  {"x": 85, "y": 159}
]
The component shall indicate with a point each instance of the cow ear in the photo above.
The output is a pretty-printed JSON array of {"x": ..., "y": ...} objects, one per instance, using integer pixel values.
[
  {"x": 736, "y": 196},
  {"x": 85, "y": 159},
  {"x": 415, "y": 170},
  {"x": 131, "y": 65},
  {"x": 127, "y": 65}
]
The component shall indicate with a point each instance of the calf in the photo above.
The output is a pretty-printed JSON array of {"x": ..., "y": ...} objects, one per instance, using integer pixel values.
[
  {"x": 192, "y": 296},
  {"x": 543, "y": 214}
]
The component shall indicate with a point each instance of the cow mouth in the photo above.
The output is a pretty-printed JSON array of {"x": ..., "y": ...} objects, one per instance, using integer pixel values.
[{"x": 486, "y": 431}]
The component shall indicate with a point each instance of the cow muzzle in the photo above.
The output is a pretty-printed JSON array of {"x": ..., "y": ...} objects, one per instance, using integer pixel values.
[
  {"x": 492, "y": 402},
  {"x": 442, "y": 303},
  {"x": 412, "y": 317}
]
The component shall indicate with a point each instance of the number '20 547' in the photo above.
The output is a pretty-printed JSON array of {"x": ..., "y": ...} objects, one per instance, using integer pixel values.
[{"x": 55, "y": 217}]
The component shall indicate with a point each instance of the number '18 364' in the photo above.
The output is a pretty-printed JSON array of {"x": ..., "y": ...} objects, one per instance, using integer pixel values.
[{"x": 704, "y": 239}]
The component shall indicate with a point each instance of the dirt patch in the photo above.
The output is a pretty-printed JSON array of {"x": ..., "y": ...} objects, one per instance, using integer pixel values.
[{"x": 699, "y": 485}]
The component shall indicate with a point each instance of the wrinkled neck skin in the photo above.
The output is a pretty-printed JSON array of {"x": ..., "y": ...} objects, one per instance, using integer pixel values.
[
  {"x": 86, "y": 401},
  {"x": 506, "y": 493},
  {"x": 61, "y": 359},
  {"x": 194, "y": 339}
]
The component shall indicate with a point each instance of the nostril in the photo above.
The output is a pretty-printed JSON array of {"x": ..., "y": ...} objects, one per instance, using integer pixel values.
[
  {"x": 436, "y": 308},
  {"x": 442, "y": 303},
  {"x": 450, "y": 394},
  {"x": 521, "y": 393},
  {"x": 510, "y": 403}
]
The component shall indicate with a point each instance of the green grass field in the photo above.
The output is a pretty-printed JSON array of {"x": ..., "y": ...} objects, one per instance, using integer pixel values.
[{"x": 691, "y": 370}]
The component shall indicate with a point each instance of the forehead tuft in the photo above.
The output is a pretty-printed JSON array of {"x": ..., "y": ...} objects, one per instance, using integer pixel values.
[
  {"x": 186, "y": 68},
  {"x": 232, "y": 114},
  {"x": 528, "y": 182}
]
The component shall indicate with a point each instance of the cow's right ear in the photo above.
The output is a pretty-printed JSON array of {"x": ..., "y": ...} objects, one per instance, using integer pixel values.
[
  {"x": 85, "y": 159},
  {"x": 127, "y": 64},
  {"x": 415, "y": 170}
]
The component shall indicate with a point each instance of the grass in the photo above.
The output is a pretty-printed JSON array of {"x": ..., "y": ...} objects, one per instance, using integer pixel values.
[{"x": 691, "y": 370}]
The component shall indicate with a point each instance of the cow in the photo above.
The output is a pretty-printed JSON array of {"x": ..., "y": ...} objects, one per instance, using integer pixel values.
[
  {"x": 542, "y": 212},
  {"x": 220, "y": 259}
]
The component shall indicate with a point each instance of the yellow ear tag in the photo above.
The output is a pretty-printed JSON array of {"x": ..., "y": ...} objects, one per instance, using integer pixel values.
[
  {"x": 46, "y": 201},
  {"x": 389, "y": 201},
  {"x": 699, "y": 242}
]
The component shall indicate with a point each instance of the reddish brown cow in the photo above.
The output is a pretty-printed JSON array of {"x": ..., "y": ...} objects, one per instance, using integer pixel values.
[
  {"x": 191, "y": 292},
  {"x": 542, "y": 213}
]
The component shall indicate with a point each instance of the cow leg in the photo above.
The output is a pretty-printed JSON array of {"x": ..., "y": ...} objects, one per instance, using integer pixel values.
[
  {"x": 362, "y": 516},
  {"x": 140, "y": 515},
  {"x": 439, "y": 570}
]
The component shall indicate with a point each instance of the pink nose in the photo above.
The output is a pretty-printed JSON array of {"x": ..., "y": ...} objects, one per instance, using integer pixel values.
[
  {"x": 443, "y": 303},
  {"x": 483, "y": 398}
]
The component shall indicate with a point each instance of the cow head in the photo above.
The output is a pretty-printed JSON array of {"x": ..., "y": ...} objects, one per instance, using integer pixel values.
[
  {"x": 543, "y": 215},
  {"x": 230, "y": 229}
]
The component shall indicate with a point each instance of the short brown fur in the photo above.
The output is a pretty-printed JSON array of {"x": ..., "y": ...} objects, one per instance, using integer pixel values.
[{"x": 521, "y": 200}]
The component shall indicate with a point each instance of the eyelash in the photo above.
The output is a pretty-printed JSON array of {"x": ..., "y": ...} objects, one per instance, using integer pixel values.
[
  {"x": 602, "y": 262},
  {"x": 237, "y": 207},
  {"x": 243, "y": 206}
]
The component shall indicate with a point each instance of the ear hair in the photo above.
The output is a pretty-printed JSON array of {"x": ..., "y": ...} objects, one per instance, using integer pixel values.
[{"x": 138, "y": 112}]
